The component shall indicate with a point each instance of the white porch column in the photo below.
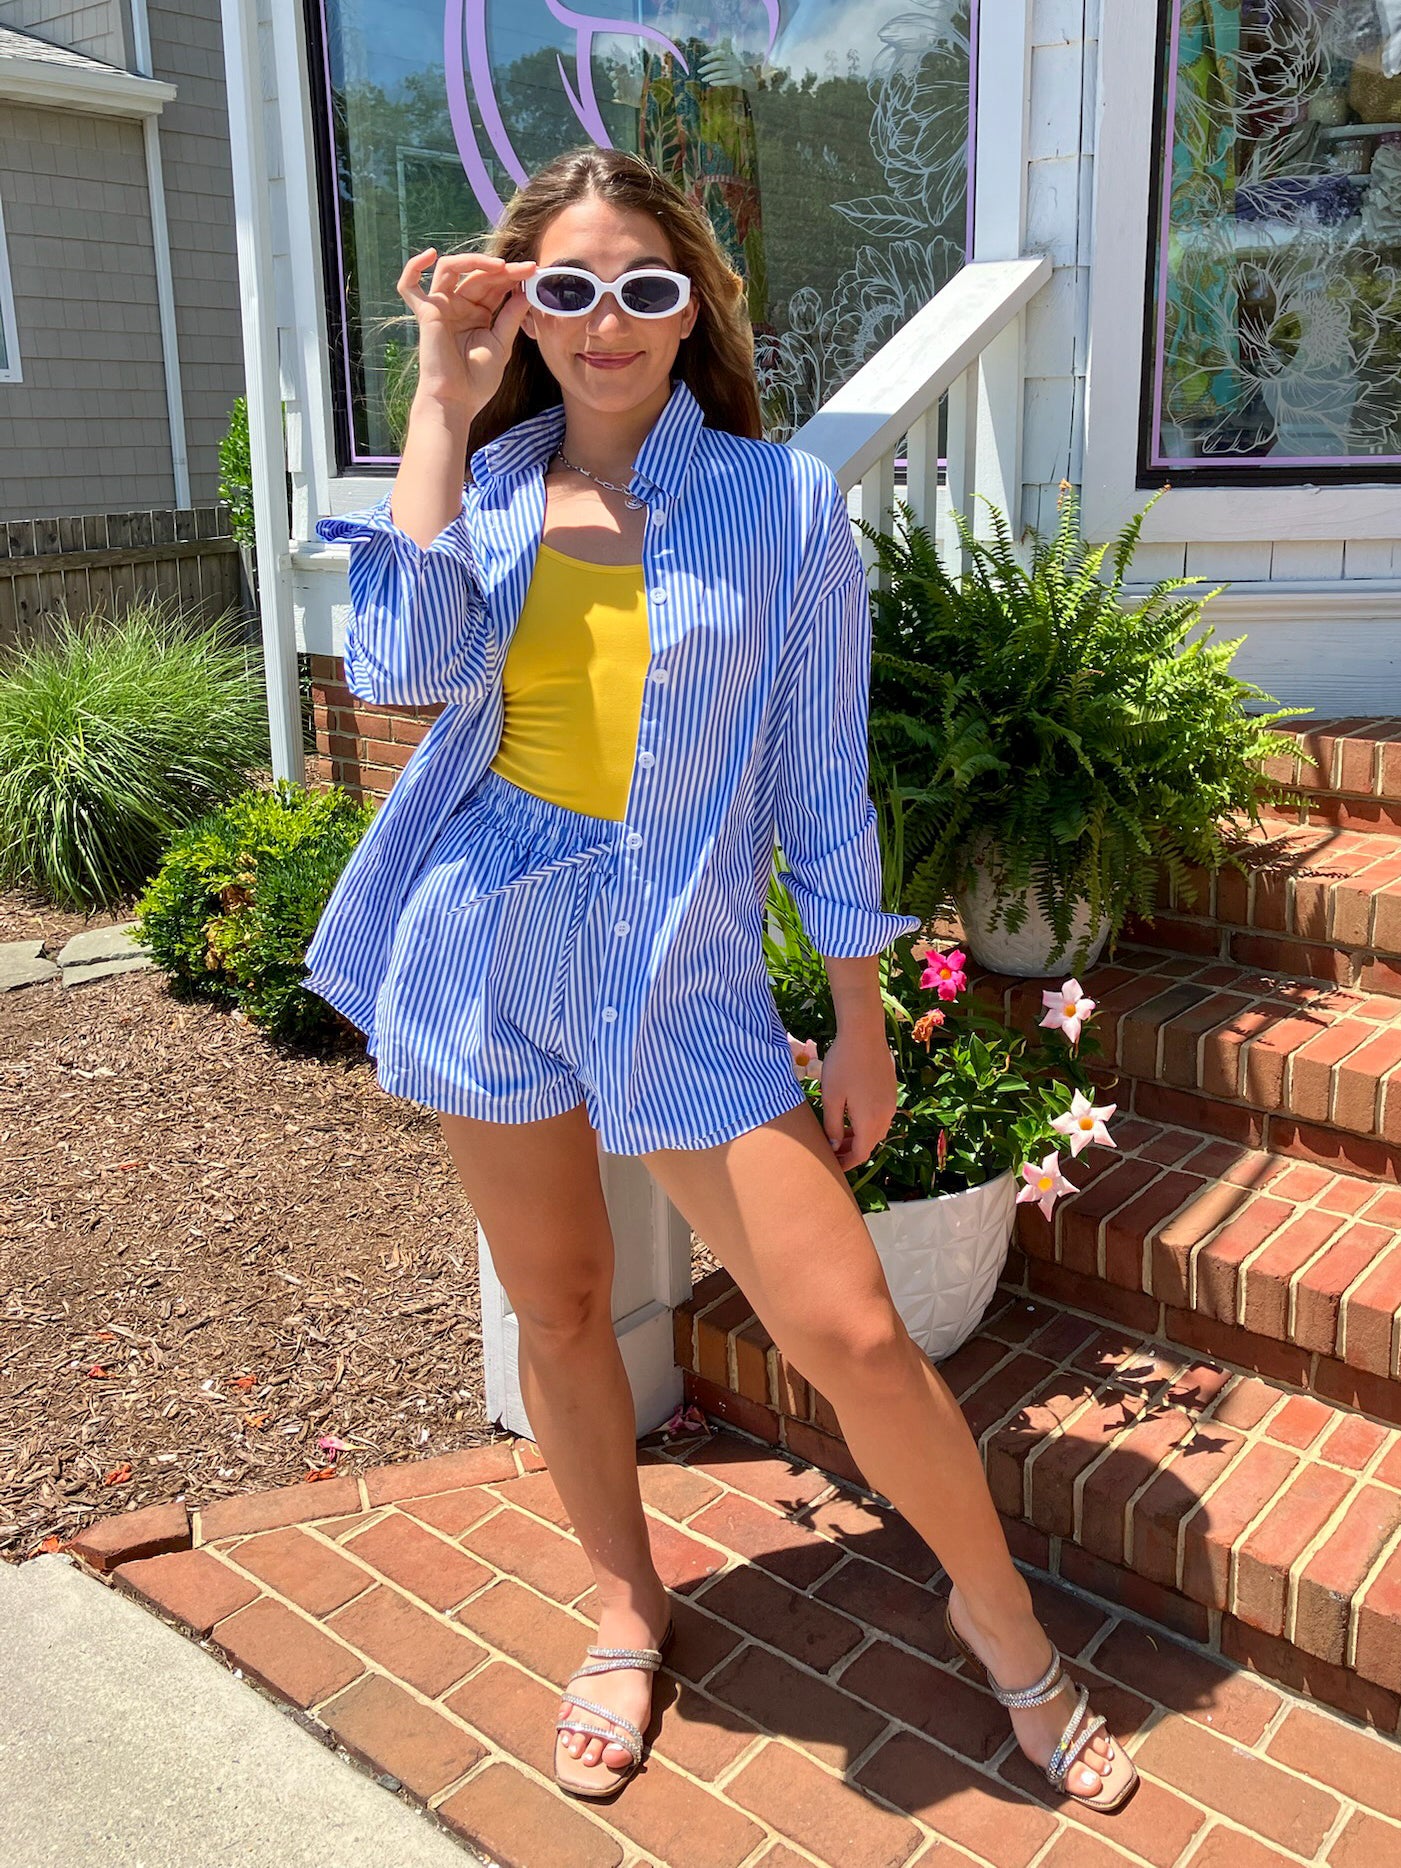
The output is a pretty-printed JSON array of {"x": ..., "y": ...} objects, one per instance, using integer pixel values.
[{"x": 652, "y": 1274}]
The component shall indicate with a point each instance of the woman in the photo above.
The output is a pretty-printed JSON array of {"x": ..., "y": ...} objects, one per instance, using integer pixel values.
[{"x": 660, "y": 623}]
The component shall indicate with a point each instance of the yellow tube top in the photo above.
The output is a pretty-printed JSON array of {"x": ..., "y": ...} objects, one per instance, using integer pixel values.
[{"x": 573, "y": 678}]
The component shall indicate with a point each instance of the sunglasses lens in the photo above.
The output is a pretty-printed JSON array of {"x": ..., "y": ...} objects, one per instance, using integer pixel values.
[
  {"x": 651, "y": 296},
  {"x": 564, "y": 291}
]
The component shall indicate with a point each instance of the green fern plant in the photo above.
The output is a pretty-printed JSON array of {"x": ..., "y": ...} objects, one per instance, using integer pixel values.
[{"x": 1084, "y": 744}]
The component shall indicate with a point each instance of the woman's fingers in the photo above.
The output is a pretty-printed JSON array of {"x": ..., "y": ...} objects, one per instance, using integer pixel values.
[
  {"x": 509, "y": 318},
  {"x": 475, "y": 281}
]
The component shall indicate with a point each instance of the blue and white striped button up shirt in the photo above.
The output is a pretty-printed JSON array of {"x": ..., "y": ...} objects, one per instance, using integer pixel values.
[{"x": 754, "y": 719}]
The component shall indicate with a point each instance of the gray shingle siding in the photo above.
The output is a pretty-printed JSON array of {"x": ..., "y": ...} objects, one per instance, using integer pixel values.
[
  {"x": 97, "y": 27},
  {"x": 86, "y": 430},
  {"x": 187, "y": 48}
]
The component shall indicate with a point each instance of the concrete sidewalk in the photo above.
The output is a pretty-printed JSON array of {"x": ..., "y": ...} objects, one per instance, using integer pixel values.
[{"x": 122, "y": 1742}]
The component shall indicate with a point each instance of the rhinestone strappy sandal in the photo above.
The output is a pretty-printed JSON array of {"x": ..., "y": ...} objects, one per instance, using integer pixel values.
[
  {"x": 606, "y": 1660},
  {"x": 1079, "y": 1729}
]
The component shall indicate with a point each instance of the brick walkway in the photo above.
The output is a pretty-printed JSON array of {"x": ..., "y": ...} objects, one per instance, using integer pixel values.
[{"x": 811, "y": 1712}]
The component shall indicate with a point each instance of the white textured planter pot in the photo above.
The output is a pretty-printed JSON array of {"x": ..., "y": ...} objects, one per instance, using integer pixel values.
[
  {"x": 1027, "y": 953},
  {"x": 942, "y": 1259}
]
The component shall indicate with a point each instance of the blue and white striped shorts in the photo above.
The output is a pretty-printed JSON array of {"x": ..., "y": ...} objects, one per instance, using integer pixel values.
[{"x": 494, "y": 975}]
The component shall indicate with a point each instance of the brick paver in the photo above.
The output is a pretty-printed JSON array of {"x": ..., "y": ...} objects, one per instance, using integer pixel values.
[{"x": 811, "y": 1714}]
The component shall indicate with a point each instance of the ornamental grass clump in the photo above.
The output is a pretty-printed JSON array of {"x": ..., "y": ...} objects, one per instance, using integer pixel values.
[
  {"x": 114, "y": 735},
  {"x": 233, "y": 909},
  {"x": 1080, "y": 743}
]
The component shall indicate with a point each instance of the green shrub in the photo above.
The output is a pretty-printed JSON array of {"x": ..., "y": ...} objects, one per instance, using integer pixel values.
[
  {"x": 1096, "y": 740},
  {"x": 236, "y": 474},
  {"x": 115, "y": 734},
  {"x": 238, "y": 897}
]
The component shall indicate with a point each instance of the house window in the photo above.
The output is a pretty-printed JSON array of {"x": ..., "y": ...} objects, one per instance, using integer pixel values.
[
  {"x": 9, "y": 330},
  {"x": 828, "y": 143},
  {"x": 1275, "y": 333}
]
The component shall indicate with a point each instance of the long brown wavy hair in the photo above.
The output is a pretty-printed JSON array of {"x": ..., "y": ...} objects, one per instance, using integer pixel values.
[{"x": 716, "y": 362}]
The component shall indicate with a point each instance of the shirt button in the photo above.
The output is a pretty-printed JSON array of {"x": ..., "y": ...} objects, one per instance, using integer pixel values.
[
  {"x": 633, "y": 840},
  {"x": 621, "y": 928},
  {"x": 609, "y": 1014},
  {"x": 658, "y": 595},
  {"x": 659, "y": 675},
  {"x": 659, "y": 515},
  {"x": 646, "y": 758}
]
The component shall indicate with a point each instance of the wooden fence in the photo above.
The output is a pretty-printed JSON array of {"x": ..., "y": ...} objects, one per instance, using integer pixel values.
[{"x": 102, "y": 563}]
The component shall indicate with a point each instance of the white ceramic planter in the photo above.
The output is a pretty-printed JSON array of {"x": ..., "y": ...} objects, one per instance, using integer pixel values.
[
  {"x": 1027, "y": 953},
  {"x": 942, "y": 1259}
]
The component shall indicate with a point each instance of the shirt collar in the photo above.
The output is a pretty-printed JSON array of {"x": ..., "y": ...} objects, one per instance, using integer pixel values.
[{"x": 660, "y": 470}]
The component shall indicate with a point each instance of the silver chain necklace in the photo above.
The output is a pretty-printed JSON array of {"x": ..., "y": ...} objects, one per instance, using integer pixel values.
[{"x": 634, "y": 504}]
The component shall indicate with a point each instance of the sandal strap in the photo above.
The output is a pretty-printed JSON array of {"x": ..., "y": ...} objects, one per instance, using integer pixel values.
[
  {"x": 1073, "y": 1742},
  {"x": 631, "y": 1746},
  {"x": 1039, "y": 1693},
  {"x": 610, "y": 1659},
  {"x": 605, "y": 1712}
]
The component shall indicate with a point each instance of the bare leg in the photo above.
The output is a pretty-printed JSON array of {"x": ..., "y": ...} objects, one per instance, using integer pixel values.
[
  {"x": 778, "y": 1212},
  {"x": 535, "y": 1188}
]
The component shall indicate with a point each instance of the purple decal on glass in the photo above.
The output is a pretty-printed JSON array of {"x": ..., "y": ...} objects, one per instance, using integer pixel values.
[
  {"x": 479, "y": 64},
  {"x": 459, "y": 111},
  {"x": 467, "y": 63}
]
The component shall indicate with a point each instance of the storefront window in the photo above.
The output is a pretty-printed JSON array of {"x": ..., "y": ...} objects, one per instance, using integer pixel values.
[
  {"x": 1276, "y": 340},
  {"x": 827, "y": 139}
]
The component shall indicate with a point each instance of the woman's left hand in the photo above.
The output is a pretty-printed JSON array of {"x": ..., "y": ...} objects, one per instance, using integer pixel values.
[{"x": 859, "y": 1083}]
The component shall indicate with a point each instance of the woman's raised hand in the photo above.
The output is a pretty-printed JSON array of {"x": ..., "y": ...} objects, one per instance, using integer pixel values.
[{"x": 467, "y": 322}]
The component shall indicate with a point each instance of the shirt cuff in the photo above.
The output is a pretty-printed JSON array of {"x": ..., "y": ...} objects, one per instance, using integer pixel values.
[
  {"x": 375, "y": 526},
  {"x": 845, "y": 930}
]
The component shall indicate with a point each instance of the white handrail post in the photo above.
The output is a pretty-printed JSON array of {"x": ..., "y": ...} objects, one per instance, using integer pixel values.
[{"x": 247, "y": 100}]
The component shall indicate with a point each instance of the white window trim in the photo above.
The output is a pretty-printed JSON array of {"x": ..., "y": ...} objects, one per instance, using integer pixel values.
[
  {"x": 11, "y": 370},
  {"x": 1118, "y": 286}
]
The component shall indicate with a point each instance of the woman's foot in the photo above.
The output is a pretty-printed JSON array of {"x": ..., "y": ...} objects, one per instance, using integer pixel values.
[
  {"x": 1018, "y": 1656},
  {"x": 627, "y": 1690}
]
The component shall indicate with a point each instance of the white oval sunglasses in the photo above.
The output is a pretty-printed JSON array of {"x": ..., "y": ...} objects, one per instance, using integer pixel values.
[{"x": 572, "y": 292}]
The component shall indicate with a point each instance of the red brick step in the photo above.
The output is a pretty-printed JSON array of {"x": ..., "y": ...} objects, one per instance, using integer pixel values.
[
  {"x": 1312, "y": 902},
  {"x": 1297, "y": 1067},
  {"x": 1229, "y": 1507},
  {"x": 1347, "y": 772}
]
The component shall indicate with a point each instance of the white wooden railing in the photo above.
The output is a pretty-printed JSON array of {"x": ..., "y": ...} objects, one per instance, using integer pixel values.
[{"x": 966, "y": 347}]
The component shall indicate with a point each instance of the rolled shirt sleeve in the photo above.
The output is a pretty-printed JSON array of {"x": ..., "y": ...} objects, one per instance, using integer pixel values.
[
  {"x": 420, "y": 633},
  {"x": 825, "y": 818}
]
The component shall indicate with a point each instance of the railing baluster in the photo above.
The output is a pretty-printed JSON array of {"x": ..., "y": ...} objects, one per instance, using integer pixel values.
[
  {"x": 962, "y": 456},
  {"x": 997, "y": 444},
  {"x": 922, "y": 469},
  {"x": 878, "y": 505}
]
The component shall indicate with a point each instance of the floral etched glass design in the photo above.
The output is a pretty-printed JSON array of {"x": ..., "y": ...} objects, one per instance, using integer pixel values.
[
  {"x": 1276, "y": 338},
  {"x": 828, "y": 141}
]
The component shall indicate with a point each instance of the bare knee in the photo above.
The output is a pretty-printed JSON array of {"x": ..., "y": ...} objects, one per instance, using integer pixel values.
[
  {"x": 561, "y": 1311},
  {"x": 863, "y": 1344}
]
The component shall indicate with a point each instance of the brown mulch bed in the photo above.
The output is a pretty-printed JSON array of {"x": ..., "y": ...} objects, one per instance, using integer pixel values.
[{"x": 214, "y": 1253}]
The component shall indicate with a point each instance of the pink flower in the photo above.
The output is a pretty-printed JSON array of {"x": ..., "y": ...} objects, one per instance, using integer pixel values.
[
  {"x": 1045, "y": 1184},
  {"x": 1067, "y": 1009},
  {"x": 945, "y": 973},
  {"x": 806, "y": 1061},
  {"x": 1083, "y": 1123},
  {"x": 686, "y": 1420}
]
